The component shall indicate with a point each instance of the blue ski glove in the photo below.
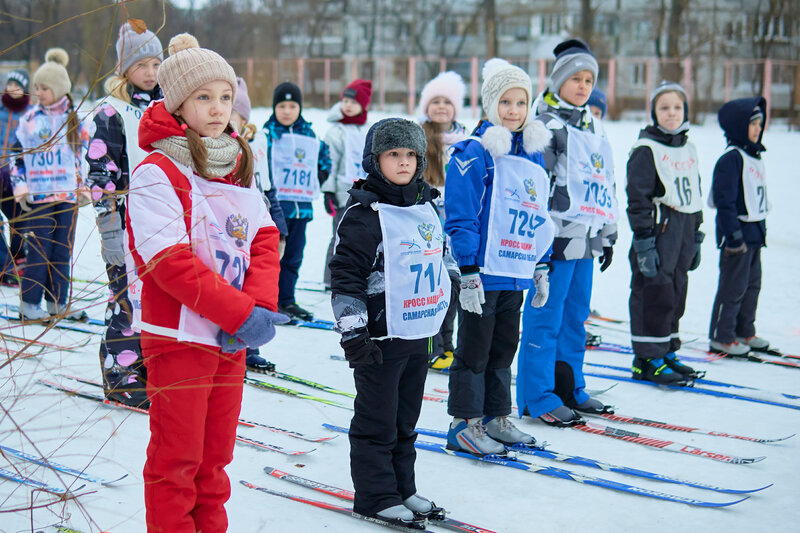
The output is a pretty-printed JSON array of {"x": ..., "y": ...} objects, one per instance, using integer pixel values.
[
  {"x": 647, "y": 256},
  {"x": 258, "y": 329}
]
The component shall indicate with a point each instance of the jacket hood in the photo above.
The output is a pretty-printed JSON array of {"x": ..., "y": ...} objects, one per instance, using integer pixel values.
[
  {"x": 157, "y": 123},
  {"x": 734, "y": 118},
  {"x": 376, "y": 189},
  {"x": 668, "y": 139}
]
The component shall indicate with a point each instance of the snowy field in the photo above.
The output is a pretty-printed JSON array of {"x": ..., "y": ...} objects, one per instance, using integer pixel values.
[{"x": 110, "y": 442}]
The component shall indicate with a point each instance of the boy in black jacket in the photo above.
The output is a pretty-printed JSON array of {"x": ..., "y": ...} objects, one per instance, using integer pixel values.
[
  {"x": 739, "y": 193},
  {"x": 390, "y": 292}
]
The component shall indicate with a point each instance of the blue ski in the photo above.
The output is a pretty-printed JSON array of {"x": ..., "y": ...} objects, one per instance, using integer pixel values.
[
  {"x": 563, "y": 474},
  {"x": 57, "y": 467},
  {"x": 13, "y": 476}
]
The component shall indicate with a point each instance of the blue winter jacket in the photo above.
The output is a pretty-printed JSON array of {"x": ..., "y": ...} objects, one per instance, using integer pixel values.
[
  {"x": 9, "y": 120},
  {"x": 468, "y": 195},
  {"x": 275, "y": 130},
  {"x": 727, "y": 190}
]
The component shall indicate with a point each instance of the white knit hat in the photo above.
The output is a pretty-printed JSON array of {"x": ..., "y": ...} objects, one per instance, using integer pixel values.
[
  {"x": 187, "y": 68},
  {"x": 53, "y": 73},
  {"x": 498, "y": 77},
  {"x": 447, "y": 84}
]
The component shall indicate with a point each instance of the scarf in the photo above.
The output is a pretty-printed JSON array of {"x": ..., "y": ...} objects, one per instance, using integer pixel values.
[{"x": 222, "y": 153}]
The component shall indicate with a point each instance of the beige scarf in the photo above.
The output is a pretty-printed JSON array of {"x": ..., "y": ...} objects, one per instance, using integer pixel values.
[{"x": 222, "y": 153}]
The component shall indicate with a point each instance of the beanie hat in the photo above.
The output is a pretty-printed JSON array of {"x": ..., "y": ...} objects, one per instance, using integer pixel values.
[
  {"x": 447, "y": 84},
  {"x": 598, "y": 99},
  {"x": 572, "y": 56},
  {"x": 498, "y": 77},
  {"x": 390, "y": 134},
  {"x": 667, "y": 87},
  {"x": 756, "y": 114},
  {"x": 241, "y": 104},
  {"x": 136, "y": 42},
  {"x": 189, "y": 67},
  {"x": 360, "y": 91},
  {"x": 53, "y": 73},
  {"x": 287, "y": 92},
  {"x": 21, "y": 77}
]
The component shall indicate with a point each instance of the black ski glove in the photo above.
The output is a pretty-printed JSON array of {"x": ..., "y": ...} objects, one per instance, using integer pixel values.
[
  {"x": 605, "y": 259},
  {"x": 698, "y": 241},
  {"x": 331, "y": 206},
  {"x": 647, "y": 256},
  {"x": 360, "y": 350}
]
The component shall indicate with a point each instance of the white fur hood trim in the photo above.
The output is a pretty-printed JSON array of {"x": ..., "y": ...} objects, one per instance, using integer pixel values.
[{"x": 497, "y": 140}]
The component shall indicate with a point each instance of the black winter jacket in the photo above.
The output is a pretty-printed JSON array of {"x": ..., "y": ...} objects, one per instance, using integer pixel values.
[
  {"x": 357, "y": 279},
  {"x": 727, "y": 189},
  {"x": 644, "y": 184}
]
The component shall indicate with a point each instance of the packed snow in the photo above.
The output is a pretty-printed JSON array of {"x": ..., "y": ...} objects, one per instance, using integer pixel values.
[{"x": 110, "y": 442}]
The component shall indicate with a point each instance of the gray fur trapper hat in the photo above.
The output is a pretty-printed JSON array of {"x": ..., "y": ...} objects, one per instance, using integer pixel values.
[{"x": 390, "y": 134}]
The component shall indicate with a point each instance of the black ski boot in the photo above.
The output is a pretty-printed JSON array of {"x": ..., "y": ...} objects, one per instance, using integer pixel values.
[
  {"x": 256, "y": 363},
  {"x": 593, "y": 340},
  {"x": 133, "y": 394},
  {"x": 293, "y": 310},
  {"x": 657, "y": 371},
  {"x": 683, "y": 369},
  {"x": 562, "y": 416}
]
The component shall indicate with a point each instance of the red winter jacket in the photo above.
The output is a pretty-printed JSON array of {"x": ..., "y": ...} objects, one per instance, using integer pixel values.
[{"x": 158, "y": 226}]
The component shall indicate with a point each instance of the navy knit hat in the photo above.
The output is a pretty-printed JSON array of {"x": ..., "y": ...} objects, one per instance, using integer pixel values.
[
  {"x": 598, "y": 99},
  {"x": 572, "y": 56},
  {"x": 21, "y": 77},
  {"x": 287, "y": 92}
]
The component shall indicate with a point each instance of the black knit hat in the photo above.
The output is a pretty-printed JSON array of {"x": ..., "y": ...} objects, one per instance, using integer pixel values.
[
  {"x": 287, "y": 92},
  {"x": 20, "y": 77}
]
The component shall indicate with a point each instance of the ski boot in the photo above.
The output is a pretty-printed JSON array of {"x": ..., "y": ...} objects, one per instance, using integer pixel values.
[
  {"x": 502, "y": 430},
  {"x": 296, "y": 312},
  {"x": 683, "y": 369},
  {"x": 62, "y": 311},
  {"x": 594, "y": 407},
  {"x": 593, "y": 340},
  {"x": 757, "y": 344},
  {"x": 256, "y": 363},
  {"x": 657, "y": 371},
  {"x": 562, "y": 416},
  {"x": 33, "y": 313},
  {"x": 400, "y": 515},
  {"x": 424, "y": 508},
  {"x": 731, "y": 349},
  {"x": 441, "y": 361},
  {"x": 129, "y": 391},
  {"x": 469, "y": 435}
]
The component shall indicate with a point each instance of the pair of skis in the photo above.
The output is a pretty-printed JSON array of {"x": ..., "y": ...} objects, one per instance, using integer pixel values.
[
  {"x": 535, "y": 468},
  {"x": 348, "y": 495},
  {"x": 99, "y": 398}
]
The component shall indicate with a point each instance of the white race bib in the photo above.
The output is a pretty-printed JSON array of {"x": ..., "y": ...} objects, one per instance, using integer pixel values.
[
  {"x": 754, "y": 182},
  {"x": 417, "y": 284},
  {"x": 353, "y": 155},
  {"x": 51, "y": 171},
  {"x": 520, "y": 230},
  {"x": 590, "y": 180},
  {"x": 677, "y": 168},
  {"x": 294, "y": 167},
  {"x": 131, "y": 115},
  {"x": 259, "y": 147}
]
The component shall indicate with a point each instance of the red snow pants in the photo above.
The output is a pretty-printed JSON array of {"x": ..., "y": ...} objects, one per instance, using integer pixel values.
[{"x": 196, "y": 396}]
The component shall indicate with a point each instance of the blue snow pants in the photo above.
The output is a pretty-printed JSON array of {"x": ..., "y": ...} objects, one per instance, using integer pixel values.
[{"x": 553, "y": 336}]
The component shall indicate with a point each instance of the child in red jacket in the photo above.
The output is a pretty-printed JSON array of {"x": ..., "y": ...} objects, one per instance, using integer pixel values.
[{"x": 206, "y": 251}]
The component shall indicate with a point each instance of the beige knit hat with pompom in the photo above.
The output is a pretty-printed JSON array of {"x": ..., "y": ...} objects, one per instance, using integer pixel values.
[
  {"x": 187, "y": 68},
  {"x": 53, "y": 73}
]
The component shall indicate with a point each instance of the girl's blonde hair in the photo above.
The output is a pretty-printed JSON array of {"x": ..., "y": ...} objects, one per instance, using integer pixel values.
[
  {"x": 244, "y": 169},
  {"x": 117, "y": 86},
  {"x": 434, "y": 174}
]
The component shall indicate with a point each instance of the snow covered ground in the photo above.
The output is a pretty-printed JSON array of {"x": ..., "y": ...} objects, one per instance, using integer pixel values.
[{"x": 110, "y": 442}]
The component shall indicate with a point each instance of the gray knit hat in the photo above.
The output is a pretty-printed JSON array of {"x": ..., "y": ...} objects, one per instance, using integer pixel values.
[
  {"x": 187, "y": 68},
  {"x": 572, "y": 56},
  {"x": 390, "y": 134},
  {"x": 498, "y": 77},
  {"x": 668, "y": 87},
  {"x": 53, "y": 73},
  {"x": 134, "y": 44}
]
